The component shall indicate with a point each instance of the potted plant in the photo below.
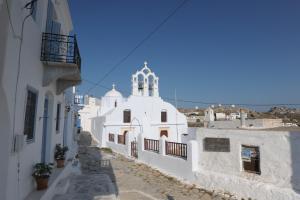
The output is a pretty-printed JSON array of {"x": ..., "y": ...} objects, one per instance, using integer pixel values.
[
  {"x": 60, "y": 155},
  {"x": 41, "y": 173}
]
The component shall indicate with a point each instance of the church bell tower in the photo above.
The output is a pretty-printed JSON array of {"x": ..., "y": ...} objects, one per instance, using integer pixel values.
[{"x": 145, "y": 83}]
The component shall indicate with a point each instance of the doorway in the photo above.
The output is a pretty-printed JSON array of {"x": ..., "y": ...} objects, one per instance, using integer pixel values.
[
  {"x": 164, "y": 132},
  {"x": 46, "y": 139}
]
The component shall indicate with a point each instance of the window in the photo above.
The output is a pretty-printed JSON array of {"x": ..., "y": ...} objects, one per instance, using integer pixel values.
[
  {"x": 251, "y": 159},
  {"x": 126, "y": 116},
  {"x": 122, "y": 138},
  {"x": 30, "y": 114},
  {"x": 58, "y": 117},
  {"x": 52, "y": 25},
  {"x": 111, "y": 137},
  {"x": 163, "y": 116},
  {"x": 116, "y": 104},
  {"x": 164, "y": 132}
]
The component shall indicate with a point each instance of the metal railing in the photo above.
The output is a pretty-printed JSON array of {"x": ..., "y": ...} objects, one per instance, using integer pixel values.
[
  {"x": 176, "y": 149},
  {"x": 60, "y": 48},
  {"x": 151, "y": 145}
]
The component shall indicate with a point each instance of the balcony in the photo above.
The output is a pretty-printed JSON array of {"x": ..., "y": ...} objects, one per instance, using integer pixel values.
[{"x": 61, "y": 57}]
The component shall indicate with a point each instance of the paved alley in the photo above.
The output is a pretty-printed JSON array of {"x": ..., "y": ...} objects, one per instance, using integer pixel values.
[{"x": 106, "y": 175}]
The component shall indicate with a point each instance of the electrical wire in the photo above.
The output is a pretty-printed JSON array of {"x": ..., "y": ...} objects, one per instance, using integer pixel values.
[
  {"x": 203, "y": 102},
  {"x": 148, "y": 36},
  {"x": 10, "y": 22},
  {"x": 27, "y": 6}
]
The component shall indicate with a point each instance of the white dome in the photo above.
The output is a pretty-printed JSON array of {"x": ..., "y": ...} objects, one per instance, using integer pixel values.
[{"x": 113, "y": 93}]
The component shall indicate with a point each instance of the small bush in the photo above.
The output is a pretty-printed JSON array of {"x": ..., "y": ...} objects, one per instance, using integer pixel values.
[{"x": 106, "y": 150}]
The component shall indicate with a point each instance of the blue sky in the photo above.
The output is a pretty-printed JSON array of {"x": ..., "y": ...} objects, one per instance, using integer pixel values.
[{"x": 214, "y": 51}]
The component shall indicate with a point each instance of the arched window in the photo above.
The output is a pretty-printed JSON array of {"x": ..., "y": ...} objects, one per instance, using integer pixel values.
[
  {"x": 164, "y": 132},
  {"x": 116, "y": 104},
  {"x": 141, "y": 81},
  {"x": 151, "y": 85}
]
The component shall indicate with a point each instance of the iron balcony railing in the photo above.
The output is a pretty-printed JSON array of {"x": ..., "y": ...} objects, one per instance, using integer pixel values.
[
  {"x": 176, "y": 149},
  {"x": 60, "y": 48},
  {"x": 151, "y": 145}
]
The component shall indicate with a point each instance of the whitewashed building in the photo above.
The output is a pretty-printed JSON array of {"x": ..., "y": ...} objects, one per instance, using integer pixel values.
[
  {"x": 238, "y": 120},
  {"x": 143, "y": 112},
  {"x": 256, "y": 164},
  {"x": 39, "y": 61}
]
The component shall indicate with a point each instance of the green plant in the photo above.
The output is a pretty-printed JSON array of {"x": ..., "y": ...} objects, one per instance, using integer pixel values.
[
  {"x": 42, "y": 170},
  {"x": 106, "y": 150},
  {"x": 60, "y": 152}
]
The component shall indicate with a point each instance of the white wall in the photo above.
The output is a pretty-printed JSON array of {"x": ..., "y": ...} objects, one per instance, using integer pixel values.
[
  {"x": 86, "y": 113},
  {"x": 146, "y": 112},
  {"x": 223, "y": 170},
  {"x": 70, "y": 131},
  {"x": 250, "y": 123},
  {"x": 18, "y": 186},
  {"x": 180, "y": 168},
  {"x": 5, "y": 122}
]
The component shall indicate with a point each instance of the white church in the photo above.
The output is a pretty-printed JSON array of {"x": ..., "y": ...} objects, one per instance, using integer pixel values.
[{"x": 143, "y": 112}]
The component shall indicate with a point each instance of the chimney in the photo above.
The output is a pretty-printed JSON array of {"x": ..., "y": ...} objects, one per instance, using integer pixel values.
[{"x": 243, "y": 118}]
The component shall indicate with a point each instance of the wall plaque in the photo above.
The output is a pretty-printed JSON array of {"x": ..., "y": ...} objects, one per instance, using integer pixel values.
[{"x": 216, "y": 144}]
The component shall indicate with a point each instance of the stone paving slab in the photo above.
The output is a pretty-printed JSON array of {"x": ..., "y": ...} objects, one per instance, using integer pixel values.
[
  {"x": 135, "y": 195},
  {"x": 89, "y": 187},
  {"x": 108, "y": 176}
]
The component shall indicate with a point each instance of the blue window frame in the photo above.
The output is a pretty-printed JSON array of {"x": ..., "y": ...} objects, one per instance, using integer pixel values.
[
  {"x": 34, "y": 9},
  {"x": 30, "y": 114}
]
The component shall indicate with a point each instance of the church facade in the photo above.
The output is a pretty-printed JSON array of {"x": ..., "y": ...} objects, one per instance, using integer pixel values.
[{"x": 143, "y": 112}]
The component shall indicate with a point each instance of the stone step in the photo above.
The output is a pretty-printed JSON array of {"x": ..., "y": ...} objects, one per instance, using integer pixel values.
[{"x": 62, "y": 186}]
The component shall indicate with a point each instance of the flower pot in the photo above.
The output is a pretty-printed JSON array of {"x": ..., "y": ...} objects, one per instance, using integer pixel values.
[
  {"x": 60, "y": 163},
  {"x": 42, "y": 183}
]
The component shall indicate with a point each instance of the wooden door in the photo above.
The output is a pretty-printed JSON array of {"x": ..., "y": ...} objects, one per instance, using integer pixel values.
[{"x": 163, "y": 132}]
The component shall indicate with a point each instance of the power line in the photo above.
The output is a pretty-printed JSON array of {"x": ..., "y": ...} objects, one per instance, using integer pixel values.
[
  {"x": 148, "y": 36},
  {"x": 10, "y": 21},
  {"x": 230, "y": 104},
  {"x": 95, "y": 84},
  {"x": 203, "y": 102}
]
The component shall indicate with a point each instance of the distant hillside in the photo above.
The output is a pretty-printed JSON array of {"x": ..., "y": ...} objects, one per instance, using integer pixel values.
[{"x": 291, "y": 115}]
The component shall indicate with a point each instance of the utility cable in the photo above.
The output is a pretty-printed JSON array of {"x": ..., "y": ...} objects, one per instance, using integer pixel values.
[
  {"x": 27, "y": 6},
  {"x": 10, "y": 22},
  {"x": 203, "y": 102},
  {"x": 148, "y": 36}
]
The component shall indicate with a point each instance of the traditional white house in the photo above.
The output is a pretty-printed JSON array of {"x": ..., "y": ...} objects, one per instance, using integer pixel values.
[
  {"x": 143, "y": 112},
  {"x": 39, "y": 63}
]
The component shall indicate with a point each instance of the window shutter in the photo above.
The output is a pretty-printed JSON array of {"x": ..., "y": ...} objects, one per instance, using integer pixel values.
[
  {"x": 126, "y": 116},
  {"x": 29, "y": 122},
  {"x": 163, "y": 116}
]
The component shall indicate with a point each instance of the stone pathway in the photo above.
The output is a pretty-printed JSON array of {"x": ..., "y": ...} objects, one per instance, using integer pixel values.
[{"x": 107, "y": 175}]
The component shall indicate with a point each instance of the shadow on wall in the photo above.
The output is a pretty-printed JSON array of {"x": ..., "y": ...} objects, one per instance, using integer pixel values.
[
  {"x": 5, "y": 123},
  {"x": 4, "y": 142},
  {"x": 295, "y": 160},
  {"x": 98, "y": 166}
]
